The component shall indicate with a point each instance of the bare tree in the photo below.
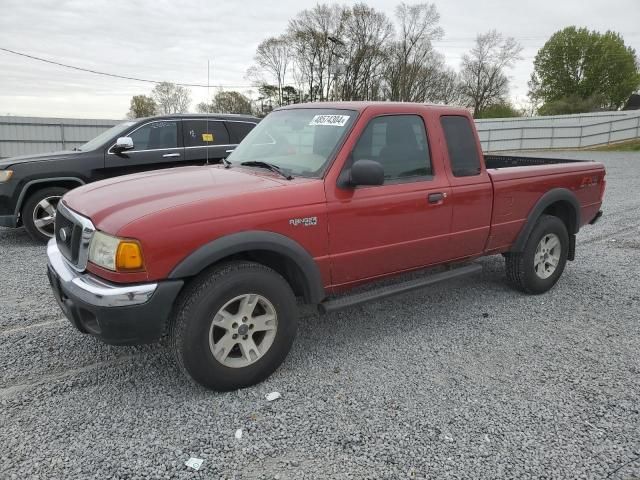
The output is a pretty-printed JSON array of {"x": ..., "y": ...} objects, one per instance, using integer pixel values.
[
  {"x": 171, "y": 98},
  {"x": 412, "y": 59},
  {"x": 363, "y": 56},
  {"x": 312, "y": 35},
  {"x": 273, "y": 55},
  {"x": 483, "y": 72}
]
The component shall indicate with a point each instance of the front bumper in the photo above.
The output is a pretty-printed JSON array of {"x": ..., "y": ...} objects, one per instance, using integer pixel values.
[{"x": 117, "y": 314}]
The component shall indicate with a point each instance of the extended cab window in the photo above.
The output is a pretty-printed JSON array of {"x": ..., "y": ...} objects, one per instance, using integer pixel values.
[
  {"x": 461, "y": 144},
  {"x": 399, "y": 144},
  {"x": 156, "y": 135},
  {"x": 200, "y": 133}
]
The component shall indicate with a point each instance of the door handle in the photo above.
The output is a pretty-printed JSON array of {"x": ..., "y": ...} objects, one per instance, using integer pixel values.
[
  {"x": 167, "y": 155},
  {"x": 435, "y": 198}
]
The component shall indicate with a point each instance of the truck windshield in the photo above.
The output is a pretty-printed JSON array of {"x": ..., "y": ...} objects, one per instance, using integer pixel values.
[
  {"x": 299, "y": 141},
  {"x": 105, "y": 136}
]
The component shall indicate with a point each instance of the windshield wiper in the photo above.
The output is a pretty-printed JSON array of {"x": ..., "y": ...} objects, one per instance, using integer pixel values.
[
  {"x": 76, "y": 149},
  {"x": 270, "y": 166},
  {"x": 227, "y": 163}
]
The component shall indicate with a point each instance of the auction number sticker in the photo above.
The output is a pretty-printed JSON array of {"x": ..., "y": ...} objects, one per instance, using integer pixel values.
[{"x": 330, "y": 120}]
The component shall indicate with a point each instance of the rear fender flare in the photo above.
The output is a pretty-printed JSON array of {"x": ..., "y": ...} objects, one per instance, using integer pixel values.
[{"x": 548, "y": 199}]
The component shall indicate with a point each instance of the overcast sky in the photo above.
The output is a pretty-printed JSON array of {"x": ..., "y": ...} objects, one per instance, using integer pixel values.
[{"x": 169, "y": 40}]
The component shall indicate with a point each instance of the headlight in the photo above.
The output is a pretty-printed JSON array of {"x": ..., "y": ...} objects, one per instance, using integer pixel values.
[
  {"x": 116, "y": 254},
  {"x": 5, "y": 175}
]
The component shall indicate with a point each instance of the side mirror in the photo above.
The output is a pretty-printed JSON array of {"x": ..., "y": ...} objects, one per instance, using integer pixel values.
[
  {"x": 123, "y": 143},
  {"x": 366, "y": 172}
]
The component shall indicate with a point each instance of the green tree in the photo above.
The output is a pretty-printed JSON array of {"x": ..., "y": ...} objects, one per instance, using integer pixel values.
[
  {"x": 596, "y": 69},
  {"x": 500, "y": 110},
  {"x": 142, "y": 106},
  {"x": 227, "y": 102}
]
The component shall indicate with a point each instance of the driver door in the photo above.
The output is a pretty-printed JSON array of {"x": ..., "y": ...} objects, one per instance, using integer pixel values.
[{"x": 156, "y": 144}]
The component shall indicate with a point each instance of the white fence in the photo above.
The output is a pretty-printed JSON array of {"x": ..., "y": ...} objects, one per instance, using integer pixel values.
[
  {"x": 29, "y": 135},
  {"x": 558, "y": 132}
]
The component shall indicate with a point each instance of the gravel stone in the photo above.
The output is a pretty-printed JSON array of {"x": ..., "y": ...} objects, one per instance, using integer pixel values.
[{"x": 469, "y": 379}]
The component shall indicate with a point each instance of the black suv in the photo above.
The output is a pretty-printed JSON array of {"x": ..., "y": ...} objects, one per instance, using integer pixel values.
[{"x": 31, "y": 186}]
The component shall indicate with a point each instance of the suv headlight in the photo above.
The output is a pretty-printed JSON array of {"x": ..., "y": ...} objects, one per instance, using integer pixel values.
[
  {"x": 5, "y": 175},
  {"x": 116, "y": 254}
]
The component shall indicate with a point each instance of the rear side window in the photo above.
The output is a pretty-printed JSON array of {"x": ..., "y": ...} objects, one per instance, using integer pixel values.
[
  {"x": 200, "y": 133},
  {"x": 239, "y": 130},
  {"x": 461, "y": 143},
  {"x": 399, "y": 144}
]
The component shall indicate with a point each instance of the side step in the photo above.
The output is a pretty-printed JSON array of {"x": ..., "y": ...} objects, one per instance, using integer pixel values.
[{"x": 351, "y": 300}]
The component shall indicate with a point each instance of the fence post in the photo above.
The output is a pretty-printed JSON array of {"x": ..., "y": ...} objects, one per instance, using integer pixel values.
[
  {"x": 638, "y": 127},
  {"x": 609, "y": 136},
  {"x": 553, "y": 134},
  {"x": 62, "y": 136},
  {"x": 580, "y": 137},
  {"x": 489, "y": 141}
]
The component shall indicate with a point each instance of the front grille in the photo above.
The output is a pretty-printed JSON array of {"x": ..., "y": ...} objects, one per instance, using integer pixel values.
[{"x": 73, "y": 234}]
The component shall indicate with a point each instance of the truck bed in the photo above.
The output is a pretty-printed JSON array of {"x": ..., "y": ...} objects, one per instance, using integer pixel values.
[{"x": 506, "y": 161}]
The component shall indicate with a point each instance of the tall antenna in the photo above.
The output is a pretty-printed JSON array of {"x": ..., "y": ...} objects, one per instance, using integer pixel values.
[{"x": 208, "y": 100}]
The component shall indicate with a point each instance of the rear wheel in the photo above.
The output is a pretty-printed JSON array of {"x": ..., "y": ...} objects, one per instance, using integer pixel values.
[
  {"x": 538, "y": 267},
  {"x": 234, "y": 326},
  {"x": 39, "y": 213}
]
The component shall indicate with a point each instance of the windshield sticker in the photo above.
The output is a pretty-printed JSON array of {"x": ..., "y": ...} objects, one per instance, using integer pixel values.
[
  {"x": 330, "y": 120},
  {"x": 207, "y": 137}
]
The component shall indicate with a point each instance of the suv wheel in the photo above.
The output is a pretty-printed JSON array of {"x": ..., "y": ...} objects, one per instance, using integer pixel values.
[
  {"x": 539, "y": 266},
  {"x": 234, "y": 326},
  {"x": 39, "y": 213}
]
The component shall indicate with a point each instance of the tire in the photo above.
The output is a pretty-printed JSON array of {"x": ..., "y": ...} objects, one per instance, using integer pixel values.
[
  {"x": 35, "y": 209},
  {"x": 199, "y": 329},
  {"x": 530, "y": 271}
]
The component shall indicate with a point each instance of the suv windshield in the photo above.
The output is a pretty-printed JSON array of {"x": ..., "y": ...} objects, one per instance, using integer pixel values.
[
  {"x": 300, "y": 141},
  {"x": 104, "y": 136}
]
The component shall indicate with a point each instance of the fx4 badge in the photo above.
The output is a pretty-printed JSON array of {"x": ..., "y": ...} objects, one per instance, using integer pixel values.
[{"x": 305, "y": 222}]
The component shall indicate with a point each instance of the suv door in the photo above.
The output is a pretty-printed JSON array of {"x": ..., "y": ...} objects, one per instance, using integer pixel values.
[
  {"x": 205, "y": 141},
  {"x": 400, "y": 225},
  {"x": 156, "y": 144}
]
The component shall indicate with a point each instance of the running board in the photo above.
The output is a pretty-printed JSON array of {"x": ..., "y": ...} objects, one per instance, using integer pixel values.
[{"x": 346, "y": 301}]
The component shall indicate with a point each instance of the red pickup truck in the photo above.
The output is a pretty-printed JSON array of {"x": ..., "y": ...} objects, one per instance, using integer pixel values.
[{"x": 317, "y": 199}]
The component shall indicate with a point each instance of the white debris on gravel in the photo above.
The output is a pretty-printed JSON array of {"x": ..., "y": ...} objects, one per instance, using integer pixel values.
[
  {"x": 273, "y": 396},
  {"x": 194, "y": 463},
  {"x": 238, "y": 434}
]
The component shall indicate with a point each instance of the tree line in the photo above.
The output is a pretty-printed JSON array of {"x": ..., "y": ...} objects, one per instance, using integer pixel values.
[{"x": 335, "y": 52}]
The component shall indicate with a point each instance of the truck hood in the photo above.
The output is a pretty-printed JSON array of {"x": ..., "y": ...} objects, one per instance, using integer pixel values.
[
  {"x": 40, "y": 157},
  {"x": 113, "y": 203}
]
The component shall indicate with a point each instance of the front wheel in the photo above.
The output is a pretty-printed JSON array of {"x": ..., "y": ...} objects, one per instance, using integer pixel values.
[
  {"x": 538, "y": 267},
  {"x": 234, "y": 326},
  {"x": 39, "y": 213}
]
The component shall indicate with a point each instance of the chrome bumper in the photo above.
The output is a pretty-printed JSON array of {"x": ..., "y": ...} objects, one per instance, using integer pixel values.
[{"x": 92, "y": 290}]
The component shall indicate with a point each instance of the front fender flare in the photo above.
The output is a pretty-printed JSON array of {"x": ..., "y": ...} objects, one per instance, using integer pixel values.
[{"x": 248, "y": 241}]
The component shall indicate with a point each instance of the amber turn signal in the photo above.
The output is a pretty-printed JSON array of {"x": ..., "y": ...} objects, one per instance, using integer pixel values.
[{"x": 129, "y": 256}]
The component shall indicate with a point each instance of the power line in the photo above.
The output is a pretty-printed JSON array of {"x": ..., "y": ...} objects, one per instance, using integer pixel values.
[{"x": 114, "y": 75}]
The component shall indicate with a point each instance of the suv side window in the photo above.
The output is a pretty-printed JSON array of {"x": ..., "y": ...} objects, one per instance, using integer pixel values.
[
  {"x": 239, "y": 130},
  {"x": 156, "y": 135},
  {"x": 200, "y": 133},
  {"x": 461, "y": 143},
  {"x": 399, "y": 143}
]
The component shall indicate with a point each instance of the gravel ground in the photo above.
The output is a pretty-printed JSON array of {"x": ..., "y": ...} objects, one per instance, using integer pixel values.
[{"x": 465, "y": 380}]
